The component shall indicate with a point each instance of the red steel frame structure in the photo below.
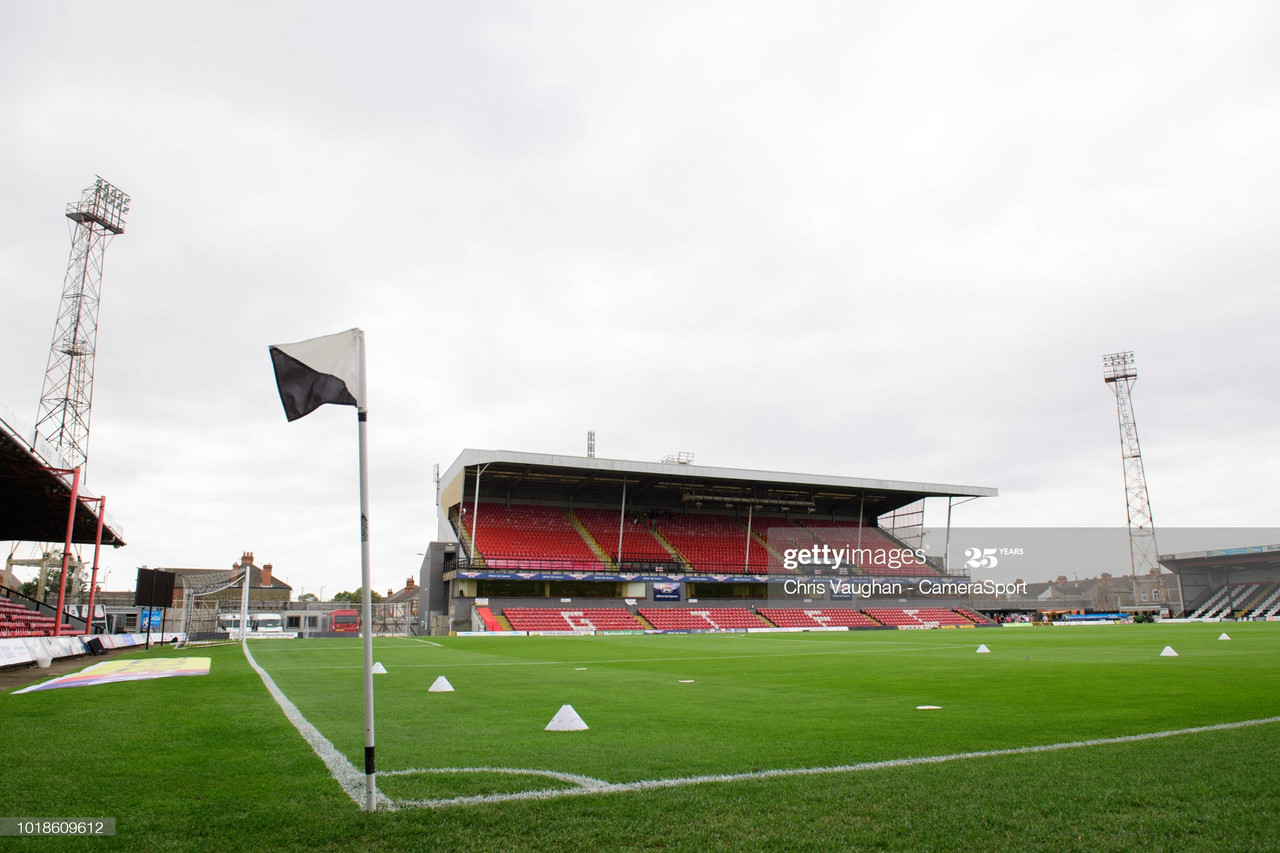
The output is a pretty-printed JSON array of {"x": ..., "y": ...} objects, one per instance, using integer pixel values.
[{"x": 74, "y": 473}]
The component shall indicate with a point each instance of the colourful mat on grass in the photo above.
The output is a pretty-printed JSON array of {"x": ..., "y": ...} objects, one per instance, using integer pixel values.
[{"x": 112, "y": 671}]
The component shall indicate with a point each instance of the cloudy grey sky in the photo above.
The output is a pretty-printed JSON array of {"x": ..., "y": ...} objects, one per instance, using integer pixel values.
[{"x": 874, "y": 239}]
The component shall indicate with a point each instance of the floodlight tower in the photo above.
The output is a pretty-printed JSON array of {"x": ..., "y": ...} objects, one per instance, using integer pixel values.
[
  {"x": 1119, "y": 372},
  {"x": 63, "y": 420}
]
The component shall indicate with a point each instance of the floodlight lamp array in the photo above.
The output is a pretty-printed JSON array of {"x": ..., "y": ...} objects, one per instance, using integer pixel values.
[{"x": 1118, "y": 365}]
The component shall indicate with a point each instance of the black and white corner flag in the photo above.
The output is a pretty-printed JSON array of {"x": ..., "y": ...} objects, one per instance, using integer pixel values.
[
  {"x": 320, "y": 370},
  {"x": 310, "y": 374}
]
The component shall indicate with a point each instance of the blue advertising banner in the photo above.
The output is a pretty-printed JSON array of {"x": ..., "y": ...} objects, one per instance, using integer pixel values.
[
  {"x": 150, "y": 617},
  {"x": 666, "y": 591}
]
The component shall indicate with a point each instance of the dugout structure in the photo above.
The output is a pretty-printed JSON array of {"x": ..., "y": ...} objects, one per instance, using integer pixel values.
[{"x": 527, "y": 530}]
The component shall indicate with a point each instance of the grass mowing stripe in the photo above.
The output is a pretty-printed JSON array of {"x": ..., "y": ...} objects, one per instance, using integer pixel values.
[
  {"x": 653, "y": 784},
  {"x": 671, "y": 659}
]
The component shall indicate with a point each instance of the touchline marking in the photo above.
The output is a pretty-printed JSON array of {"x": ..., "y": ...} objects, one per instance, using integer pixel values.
[
  {"x": 340, "y": 767},
  {"x": 428, "y": 642},
  {"x": 654, "y": 784}
]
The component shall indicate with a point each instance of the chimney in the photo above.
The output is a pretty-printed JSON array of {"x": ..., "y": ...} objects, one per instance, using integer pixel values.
[
  {"x": 390, "y": 593},
  {"x": 408, "y": 583},
  {"x": 246, "y": 558},
  {"x": 1106, "y": 576},
  {"x": 1062, "y": 580},
  {"x": 266, "y": 575}
]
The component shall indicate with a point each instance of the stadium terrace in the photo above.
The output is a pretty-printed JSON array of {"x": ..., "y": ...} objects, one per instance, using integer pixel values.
[{"x": 543, "y": 543}]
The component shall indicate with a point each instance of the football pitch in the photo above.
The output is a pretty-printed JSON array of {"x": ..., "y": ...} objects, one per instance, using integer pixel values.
[{"x": 1080, "y": 738}]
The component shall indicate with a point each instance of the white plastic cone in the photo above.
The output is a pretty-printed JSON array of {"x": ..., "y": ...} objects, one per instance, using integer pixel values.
[
  {"x": 1223, "y": 636},
  {"x": 566, "y": 720},
  {"x": 983, "y": 650},
  {"x": 1168, "y": 652},
  {"x": 379, "y": 669},
  {"x": 440, "y": 685}
]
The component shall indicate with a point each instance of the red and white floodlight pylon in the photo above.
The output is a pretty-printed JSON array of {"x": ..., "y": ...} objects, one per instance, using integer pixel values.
[
  {"x": 1119, "y": 372},
  {"x": 65, "y": 400}
]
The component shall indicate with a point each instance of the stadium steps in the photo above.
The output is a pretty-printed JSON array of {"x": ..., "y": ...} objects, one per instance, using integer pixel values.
[
  {"x": 638, "y": 543},
  {"x": 671, "y": 549},
  {"x": 465, "y": 536},
  {"x": 941, "y": 617},
  {"x": 491, "y": 622},
  {"x": 774, "y": 553},
  {"x": 873, "y": 619},
  {"x": 976, "y": 618},
  {"x": 600, "y": 553},
  {"x": 1216, "y": 596},
  {"x": 675, "y": 552},
  {"x": 648, "y": 626},
  {"x": 1270, "y": 605},
  {"x": 1229, "y": 606},
  {"x": 703, "y": 618},
  {"x": 1255, "y": 603},
  {"x": 902, "y": 543},
  {"x": 868, "y": 536}
]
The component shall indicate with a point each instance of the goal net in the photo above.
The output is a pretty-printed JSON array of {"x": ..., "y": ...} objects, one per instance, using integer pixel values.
[{"x": 202, "y": 616}]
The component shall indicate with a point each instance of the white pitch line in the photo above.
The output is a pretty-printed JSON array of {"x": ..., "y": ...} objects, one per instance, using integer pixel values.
[
  {"x": 587, "y": 782},
  {"x": 428, "y": 642},
  {"x": 340, "y": 767},
  {"x": 654, "y": 784}
]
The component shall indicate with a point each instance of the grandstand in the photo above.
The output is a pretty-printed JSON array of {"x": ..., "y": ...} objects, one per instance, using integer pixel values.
[
  {"x": 534, "y": 542},
  {"x": 18, "y": 621},
  {"x": 702, "y": 619},
  {"x": 35, "y": 503},
  {"x": 785, "y": 617},
  {"x": 35, "y": 498},
  {"x": 639, "y": 542},
  {"x": 1232, "y": 583},
  {"x": 526, "y": 536},
  {"x": 588, "y": 619}
]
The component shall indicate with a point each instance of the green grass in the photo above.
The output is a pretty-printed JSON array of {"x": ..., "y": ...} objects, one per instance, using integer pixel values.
[{"x": 210, "y": 763}]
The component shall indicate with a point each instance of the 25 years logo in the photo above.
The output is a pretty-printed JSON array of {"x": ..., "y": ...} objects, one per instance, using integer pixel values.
[{"x": 987, "y": 558}]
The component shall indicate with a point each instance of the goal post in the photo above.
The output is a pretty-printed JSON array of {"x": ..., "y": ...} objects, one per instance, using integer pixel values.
[{"x": 202, "y": 608}]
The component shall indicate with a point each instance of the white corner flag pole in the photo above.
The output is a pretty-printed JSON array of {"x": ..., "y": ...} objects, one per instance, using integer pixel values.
[
  {"x": 366, "y": 604},
  {"x": 244, "y": 605},
  {"x": 310, "y": 374}
]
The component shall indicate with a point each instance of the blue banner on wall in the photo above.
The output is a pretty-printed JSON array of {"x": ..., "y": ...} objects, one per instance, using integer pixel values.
[{"x": 666, "y": 591}]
